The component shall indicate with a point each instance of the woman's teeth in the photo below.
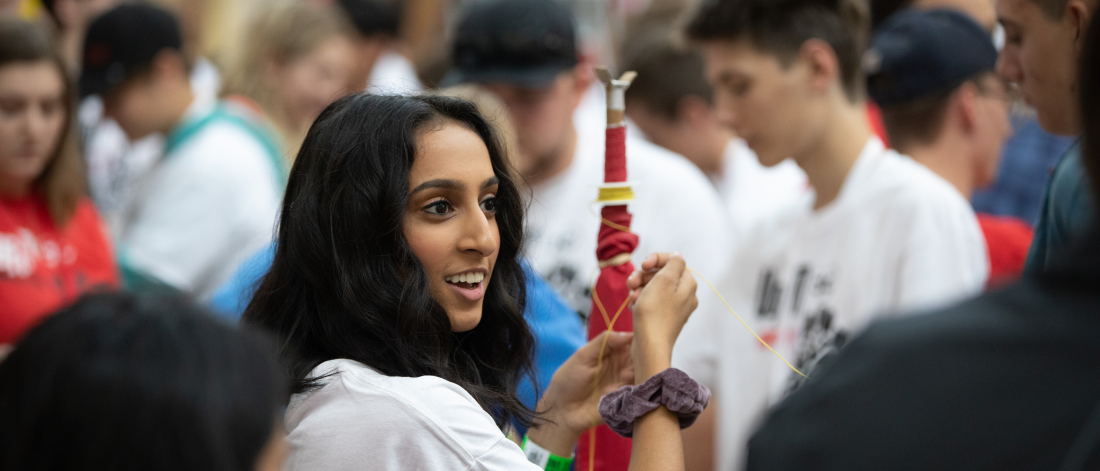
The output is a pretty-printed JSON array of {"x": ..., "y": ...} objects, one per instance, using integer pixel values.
[{"x": 472, "y": 278}]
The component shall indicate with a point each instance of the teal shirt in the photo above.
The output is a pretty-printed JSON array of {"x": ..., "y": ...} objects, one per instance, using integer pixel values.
[{"x": 1066, "y": 211}]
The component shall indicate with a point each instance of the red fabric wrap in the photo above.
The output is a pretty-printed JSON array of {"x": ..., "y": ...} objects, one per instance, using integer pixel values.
[
  {"x": 614, "y": 167},
  {"x": 612, "y": 450}
]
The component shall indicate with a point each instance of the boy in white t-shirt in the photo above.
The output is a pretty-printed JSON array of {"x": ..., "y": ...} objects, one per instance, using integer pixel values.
[
  {"x": 880, "y": 234},
  {"x": 213, "y": 197},
  {"x": 672, "y": 103},
  {"x": 525, "y": 52}
]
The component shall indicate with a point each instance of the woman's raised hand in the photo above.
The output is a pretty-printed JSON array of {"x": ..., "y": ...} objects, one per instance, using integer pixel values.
[{"x": 662, "y": 298}]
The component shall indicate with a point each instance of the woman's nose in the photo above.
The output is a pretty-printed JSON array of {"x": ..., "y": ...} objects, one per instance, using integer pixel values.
[{"x": 478, "y": 234}]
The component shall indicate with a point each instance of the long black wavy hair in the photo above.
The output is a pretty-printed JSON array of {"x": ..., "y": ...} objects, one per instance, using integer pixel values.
[{"x": 345, "y": 283}]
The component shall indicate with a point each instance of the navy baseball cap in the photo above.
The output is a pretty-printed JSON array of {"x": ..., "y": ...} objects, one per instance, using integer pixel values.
[
  {"x": 521, "y": 42},
  {"x": 124, "y": 40},
  {"x": 922, "y": 53}
]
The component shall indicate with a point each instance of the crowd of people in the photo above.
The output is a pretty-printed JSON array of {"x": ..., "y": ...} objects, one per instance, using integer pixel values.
[{"x": 347, "y": 234}]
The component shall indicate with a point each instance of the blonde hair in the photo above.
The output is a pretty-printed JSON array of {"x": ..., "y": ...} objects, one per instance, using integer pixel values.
[{"x": 280, "y": 33}]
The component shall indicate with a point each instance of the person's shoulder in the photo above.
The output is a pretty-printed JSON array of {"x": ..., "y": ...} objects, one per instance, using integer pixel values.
[
  {"x": 228, "y": 145},
  {"x": 1070, "y": 165},
  {"x": 359, "y": 401},
  {"x": 901, "y": 172},
  {"x": 86, "y": 214},
  {"x": 651, "y": 159},
  {"x": 671, "y": 178},
  {"x": 87, "y": 223},
  {"x": 222, "y": 139},
  {"x": 903, "y": 184},
  {"x": 1070, "y": 187},
  {"x": 88, "y": 231},
  {"x": 224, "y": 155}
]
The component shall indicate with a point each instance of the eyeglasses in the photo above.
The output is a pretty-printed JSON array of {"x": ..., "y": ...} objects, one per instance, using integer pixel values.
[{"x": 1003, "y": 91}]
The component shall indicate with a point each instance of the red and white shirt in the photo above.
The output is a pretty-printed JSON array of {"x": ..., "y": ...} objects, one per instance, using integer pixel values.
[{"x": 43, "y": 267}]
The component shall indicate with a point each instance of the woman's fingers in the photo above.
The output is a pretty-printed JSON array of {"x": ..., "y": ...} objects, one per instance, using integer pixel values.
[
  {"x": 671, "y": 272},
  {"x": 687, "y": 284},
  {"x": 617, "y": 369},
  {"x": 590, "y": 352},
  {"x": 655, "y": 261},
  {"x": 650, "y": 267},
  {"x": 619, "y": 340}
]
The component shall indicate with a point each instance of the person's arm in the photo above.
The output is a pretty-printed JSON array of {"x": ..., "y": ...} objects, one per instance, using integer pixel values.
[
  {"x": 571, "y": 404},
  {"x": 662, "y": 298},
  {"x": 657, "y": 444},
  {"x": 699, "y": 440}
]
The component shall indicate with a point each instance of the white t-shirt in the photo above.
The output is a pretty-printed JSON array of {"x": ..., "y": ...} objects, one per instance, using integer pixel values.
[
  {"x": 203, "y": 208},
  {"x": 897, "y": 238},
  {"x": 114, "y": 163},
  {"x": 362, "y": 419},
  {"x": 676, "y": 209},
  {"x": 754, "y": 193}
]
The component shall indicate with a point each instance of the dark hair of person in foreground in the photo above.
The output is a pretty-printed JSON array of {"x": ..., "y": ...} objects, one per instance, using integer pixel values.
[
  {"x": 345, "y": 283},
  {"x": 122, "y": 382},
  {"x": 1010, "y": 380}
]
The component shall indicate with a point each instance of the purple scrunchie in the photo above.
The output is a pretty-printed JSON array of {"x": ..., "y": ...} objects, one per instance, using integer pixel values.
[{"x": 671, "y": 388}]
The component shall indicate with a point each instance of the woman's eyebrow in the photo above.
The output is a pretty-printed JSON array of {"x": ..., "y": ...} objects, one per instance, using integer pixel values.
[
  {"x": 490, "y": 182},
  {"x": 439, "y": 183}
]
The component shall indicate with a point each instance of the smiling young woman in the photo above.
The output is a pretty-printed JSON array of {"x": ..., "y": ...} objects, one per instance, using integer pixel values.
[
  {"x": 378, "y": 210},
  {"x": 397, "y": 295},
  {"x": 450, "y": 221}
]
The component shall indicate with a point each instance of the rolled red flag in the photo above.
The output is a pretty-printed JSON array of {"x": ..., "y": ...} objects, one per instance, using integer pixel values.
[{"x": 600, "y": 448}]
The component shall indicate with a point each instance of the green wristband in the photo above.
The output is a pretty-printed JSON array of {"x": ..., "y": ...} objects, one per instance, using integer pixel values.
[{"x": 543, "y": 458}]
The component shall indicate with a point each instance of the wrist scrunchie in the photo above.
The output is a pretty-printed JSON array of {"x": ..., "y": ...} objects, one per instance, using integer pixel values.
[{"x": 671, "y": 388}]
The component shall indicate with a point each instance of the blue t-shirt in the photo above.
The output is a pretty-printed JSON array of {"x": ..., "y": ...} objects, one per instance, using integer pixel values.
[
  {"x": 232, "y": 297},
  {"x": 557, "y": 328},
  {"x": 1066, "y": 211}
]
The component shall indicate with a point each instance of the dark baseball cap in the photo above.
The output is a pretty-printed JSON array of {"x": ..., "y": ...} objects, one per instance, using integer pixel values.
[
  {"x": 522, "y": 42},
  {"x": 922, "y": 53},
  {"x": 124, "y": 40}
]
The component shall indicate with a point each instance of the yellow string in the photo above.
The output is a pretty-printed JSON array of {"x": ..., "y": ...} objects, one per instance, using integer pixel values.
[
  {"x": 746, "y": 324},
  {"x": 608, "y": 223},
  {"x": 615, "y": 194},
  {"x": 610, "y": 321}
]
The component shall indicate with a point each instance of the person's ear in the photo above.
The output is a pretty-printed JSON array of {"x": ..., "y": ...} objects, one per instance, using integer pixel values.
[
  {"x": 581, "y": 78},
  {"x": 584, "y": 73},
  {"x": 1079, "y": 15},
  {"x": 964, "y": 104},
  {"x": 694, "y": 111},
  {"x": 822, "y": 66}
]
